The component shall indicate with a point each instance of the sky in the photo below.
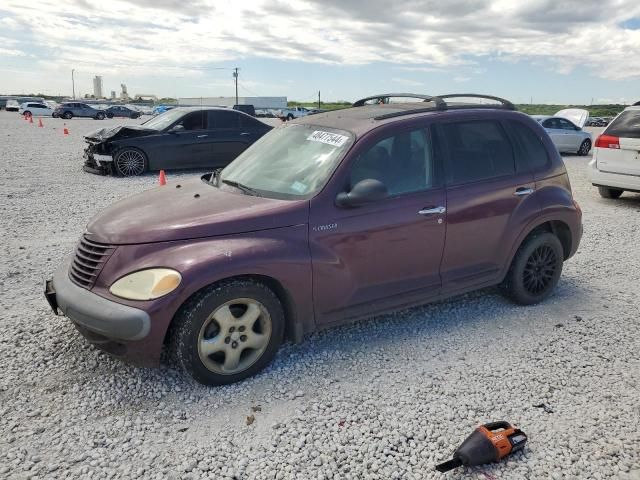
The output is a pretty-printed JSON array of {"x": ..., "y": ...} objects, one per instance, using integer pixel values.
[{"x": 540, "y": 51}]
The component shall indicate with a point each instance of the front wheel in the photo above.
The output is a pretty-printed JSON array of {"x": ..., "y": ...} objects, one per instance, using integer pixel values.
[
  {"x": 289, "y": 117},
  {"x": 100, "y": 116},
  {"x": 227, "y": 332},
  {"x": 109, "y": 115},
  {"x": 606, "y": 192},
  {"x": 130, "y": 162},
  {"x": 585, "y": 148},
  {"x": 535, "y": 269},
  {"x": 67, "y": 115}
]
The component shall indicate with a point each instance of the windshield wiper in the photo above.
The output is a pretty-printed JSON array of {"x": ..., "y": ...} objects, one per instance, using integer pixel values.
[{"x": 240, "y": 186}]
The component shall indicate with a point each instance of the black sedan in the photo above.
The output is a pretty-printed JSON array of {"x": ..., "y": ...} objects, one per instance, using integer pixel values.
[
  {"x": 121, "y": 111},
  {"x": 184, "y": 137}
]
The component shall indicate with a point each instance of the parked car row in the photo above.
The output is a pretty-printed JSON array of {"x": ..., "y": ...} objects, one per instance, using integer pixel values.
[{"x": 279, "y": 242}]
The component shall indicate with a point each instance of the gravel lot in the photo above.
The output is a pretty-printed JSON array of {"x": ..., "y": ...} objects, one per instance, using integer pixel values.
[{"x": 383, "y": 399}]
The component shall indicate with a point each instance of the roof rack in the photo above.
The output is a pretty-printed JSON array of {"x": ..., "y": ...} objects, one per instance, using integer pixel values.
[
  {"x": 439, "y": 101},
  {"x": 387, "y": 96}
]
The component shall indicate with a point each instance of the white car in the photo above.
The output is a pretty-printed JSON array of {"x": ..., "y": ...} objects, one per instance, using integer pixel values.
[
  {"x": 35, "y": 109},
  {"x": 616, "y": 159},
  {"x": 565, "y": 130}
]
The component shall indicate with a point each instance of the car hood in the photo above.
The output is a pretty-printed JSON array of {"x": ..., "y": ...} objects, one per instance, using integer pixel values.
[
  {"x": 578, "y": 116},
  {"x": 118, "y": 132},
  {"x": 191, "y": 210}
]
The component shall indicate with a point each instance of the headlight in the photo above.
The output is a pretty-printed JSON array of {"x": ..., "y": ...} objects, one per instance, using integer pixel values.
[{"x": 146, "y": 284}]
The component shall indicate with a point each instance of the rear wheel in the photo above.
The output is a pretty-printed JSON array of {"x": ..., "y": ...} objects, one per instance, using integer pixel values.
[
  {"x": 227, "y": 332},
  {"x": 67, "y": 115},
  {"x": 585, "y": 148},
  {"x": 606, "y": 192},
  {"x": 535, "y": 270},
  {"x": 290, "y": 117},
  {"x": 109, "y": 115},
  {"x": 130, "y": 162},
  {"x": 100, "y": 116}
]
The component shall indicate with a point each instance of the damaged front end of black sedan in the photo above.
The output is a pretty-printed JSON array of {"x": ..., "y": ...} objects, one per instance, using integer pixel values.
[{"x": 103, "y": 145}]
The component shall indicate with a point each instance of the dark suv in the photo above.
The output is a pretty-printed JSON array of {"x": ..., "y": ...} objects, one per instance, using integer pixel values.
[
  {"x": 324, "y": 220},
  {"x": 74, "y": 109}
]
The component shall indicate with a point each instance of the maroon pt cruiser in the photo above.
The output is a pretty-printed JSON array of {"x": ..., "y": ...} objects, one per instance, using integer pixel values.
[{"x": 327, "y": 219}]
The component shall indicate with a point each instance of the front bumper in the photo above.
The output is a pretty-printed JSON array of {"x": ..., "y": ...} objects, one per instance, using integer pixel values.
[
  {"x": 97, "y": 318},
  {"x": 96, "y": 163}
]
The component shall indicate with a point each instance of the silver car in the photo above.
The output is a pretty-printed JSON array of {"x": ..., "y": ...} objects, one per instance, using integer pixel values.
[{"x": 565, "y": 129}]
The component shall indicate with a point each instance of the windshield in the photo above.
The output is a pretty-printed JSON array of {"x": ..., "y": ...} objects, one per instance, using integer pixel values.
[
  {"x": 163, "y": 120},
  {"x": 294, "y": 161}
]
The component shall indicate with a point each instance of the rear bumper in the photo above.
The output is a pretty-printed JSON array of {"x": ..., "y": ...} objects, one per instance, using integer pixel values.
[{"x": 614, "y": 180}]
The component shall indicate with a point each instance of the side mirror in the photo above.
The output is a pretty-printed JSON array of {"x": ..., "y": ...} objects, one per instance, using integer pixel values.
[
  {"x": 176, "y": 129},
  {"x": 363, "y": 192}
]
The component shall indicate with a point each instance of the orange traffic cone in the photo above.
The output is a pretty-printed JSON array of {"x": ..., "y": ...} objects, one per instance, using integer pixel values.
[
  {"x": 40, "y": 123},
  {"x": 162, "y": 179},
  {"x": 66, "y": 130}
]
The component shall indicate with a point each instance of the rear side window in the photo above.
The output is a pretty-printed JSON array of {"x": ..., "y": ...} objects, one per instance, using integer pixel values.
[
  {"x": 478, "y": 150},
  {"x": 531, "y": 150},
  {"x": 627, "y": 124}
]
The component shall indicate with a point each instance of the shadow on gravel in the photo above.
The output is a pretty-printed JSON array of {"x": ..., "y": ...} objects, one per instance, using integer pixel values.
[{"x": 420, "y": 333}]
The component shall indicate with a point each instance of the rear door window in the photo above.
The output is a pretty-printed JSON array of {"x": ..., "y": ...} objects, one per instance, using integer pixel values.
[
  {"x": 224, "y": 119},
  {"x": 477, "y": 150},
  {"x": 250, "y": 122},
  {"x": 530, "y": 149},
  {"x": 627, "y": 124}
]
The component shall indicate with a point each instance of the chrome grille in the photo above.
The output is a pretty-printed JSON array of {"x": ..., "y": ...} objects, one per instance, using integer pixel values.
[{"x": 88, "y": 261}]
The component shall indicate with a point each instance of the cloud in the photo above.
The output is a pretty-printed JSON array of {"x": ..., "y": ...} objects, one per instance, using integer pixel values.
[
  {"x": 407, "y": 81},
  {"x": 138, "y": 38}
]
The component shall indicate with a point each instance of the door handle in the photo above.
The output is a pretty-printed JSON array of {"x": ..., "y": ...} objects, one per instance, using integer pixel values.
[
  {"x": 432, "y": 211},
  {"x": 202, "y": 136},
  {"x": 245, "y": 133},
  {"x": 522, "y": 191}
]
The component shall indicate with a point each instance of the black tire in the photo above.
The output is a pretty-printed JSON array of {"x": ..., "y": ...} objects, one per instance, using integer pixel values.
[
  {"x": 189, "y": 327},
  {"x": 100, "y": 116},
  {"x": 67, "y": 115},
  {"x": 613, "y": 193},
  {"x": 585, "y": 148},
  {"x": 130, "y": 162},
  {"x": 109, "y": 115},
  {"x": 290, "y": 117},
  {"x": 535, "y": 269}
]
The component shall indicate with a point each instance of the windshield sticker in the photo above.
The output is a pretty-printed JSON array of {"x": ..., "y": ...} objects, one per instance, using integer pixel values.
[
  {"x": 299, "y": 187},
  {"x": 329, "y": 138}
]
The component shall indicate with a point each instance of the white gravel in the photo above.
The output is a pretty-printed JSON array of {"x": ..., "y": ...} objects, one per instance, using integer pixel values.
[{"x": 383, "y": 399}]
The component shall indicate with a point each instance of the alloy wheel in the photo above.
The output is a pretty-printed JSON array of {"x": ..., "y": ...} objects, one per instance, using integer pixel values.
[
  {"x": 234, "y": 336},
  {"x": 540, "y": 269},
  {"x": 130, "y": 163},
  {"x": 585, "y": 147}
]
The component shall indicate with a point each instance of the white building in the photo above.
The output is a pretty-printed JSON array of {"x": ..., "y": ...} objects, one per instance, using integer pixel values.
[
  {"x": 97, "y": 86},
  {"x": 257, "y": 102}
]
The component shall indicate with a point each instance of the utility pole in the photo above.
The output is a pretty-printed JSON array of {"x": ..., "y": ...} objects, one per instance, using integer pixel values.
[
  {"x": 73, "y": 84},
  {"x": 235, "y": 77},
  {"x": 318, "y": 99}
]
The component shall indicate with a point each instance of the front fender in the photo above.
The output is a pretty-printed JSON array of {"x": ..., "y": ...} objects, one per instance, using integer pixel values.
[{"x": 282, "y": 254}]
